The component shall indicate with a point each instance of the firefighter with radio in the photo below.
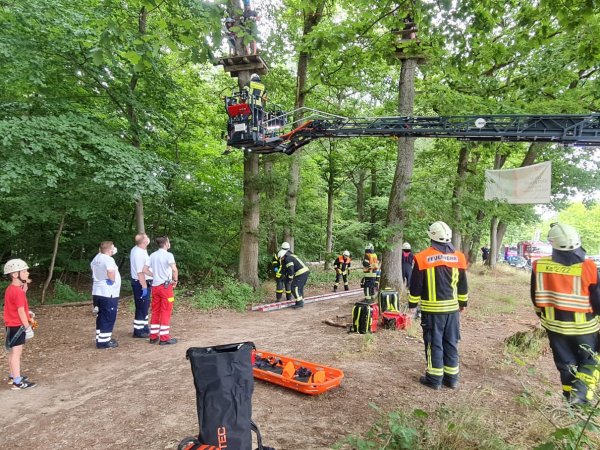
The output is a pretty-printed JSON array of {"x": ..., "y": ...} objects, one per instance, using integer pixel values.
[
  {"x": 342, "y": 269},
  {"x": 281, "y": 280},
  {"x": 297, "y": 274},
  {"x": 370, "y": 267},
  {"x": 566, "y": 297},
  {"x": 439, "y": 284}
]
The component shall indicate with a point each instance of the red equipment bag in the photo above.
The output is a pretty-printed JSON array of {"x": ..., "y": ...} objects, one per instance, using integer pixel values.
[
  {"x": 394, "y": 320},
  {"x": 238, "y": 109},
  {"x": 375, "y": 314}
]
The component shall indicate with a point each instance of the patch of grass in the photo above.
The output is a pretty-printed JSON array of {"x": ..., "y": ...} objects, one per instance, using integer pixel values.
[
  {"x": 231, "y": 295},
  {"x": 63, "y": 293},
  {"x": 527, "y": 344},
  {"x": 494, "y": 303},
  {"x": 445, "y": 429}
]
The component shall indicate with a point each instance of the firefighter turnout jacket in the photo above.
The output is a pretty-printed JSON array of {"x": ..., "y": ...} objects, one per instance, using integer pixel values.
[
  {"x": 342, "y": 264},
  {"x": 439, "y": 281},
  {"x": 255, "y": 92},
  {"x": 276, "y": 266},
  {"x": 293, "y": 265},
  {"x": 566, "y": 297},
  {"x": 370, "y": 264}
]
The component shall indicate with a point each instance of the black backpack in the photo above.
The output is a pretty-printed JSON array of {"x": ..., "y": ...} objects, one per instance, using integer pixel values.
[
  {"x": 224, "y": 385},
  {"x": 389, "y": 300},
  {"x": 362, "y": 318}
]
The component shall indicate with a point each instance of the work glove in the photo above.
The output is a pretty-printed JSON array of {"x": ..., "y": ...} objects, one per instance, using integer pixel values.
[
  {"x": 144, "y": 292},
  {"x": 95, "y": 311},
  {"x": 28, "y": 333},
  {"x": 109, "y": 282}
]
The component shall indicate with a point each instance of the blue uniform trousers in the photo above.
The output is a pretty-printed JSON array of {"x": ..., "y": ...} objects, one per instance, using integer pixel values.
[
  {"x": 107, "y": 316},
  {"x": 441, "y": 333},
  {"x": 142, "y": 305}
]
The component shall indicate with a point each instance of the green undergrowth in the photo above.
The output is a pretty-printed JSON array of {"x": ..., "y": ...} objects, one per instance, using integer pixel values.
[
  {"x": 444, "y": 429},
  {"x": 63, "y": 293},
  {"x": 528, "y": 344},
  {"x": 231, "y": 294}
]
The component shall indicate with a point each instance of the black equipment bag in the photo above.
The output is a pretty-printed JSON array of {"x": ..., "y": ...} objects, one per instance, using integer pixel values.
[
  {"x": 224, "y": 385},
  {"x": 362, "y": 318},
  {"x": 389, "y": 300}
]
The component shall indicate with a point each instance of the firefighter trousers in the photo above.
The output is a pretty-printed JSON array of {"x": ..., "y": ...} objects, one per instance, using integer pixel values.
[
  {"x": 297, "y": 286},
  {"x": 283, "y": 285},
  {"x": 441, "y": 333},
  {"x": 576, "y": 360},
  {"x": 369, "y": 286},
  {"x": 341, "y": 276}
]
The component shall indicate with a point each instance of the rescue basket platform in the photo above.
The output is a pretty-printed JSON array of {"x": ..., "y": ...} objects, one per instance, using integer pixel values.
[{"x": 302, "y": 376}]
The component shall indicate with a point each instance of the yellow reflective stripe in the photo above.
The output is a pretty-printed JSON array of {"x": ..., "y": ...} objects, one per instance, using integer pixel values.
[
  {"x": 370, "y": 275},
  {"x": 301, "y": 271},
  {"x": 571, "y": 328},
  {"x": 540, "y": 281},
  {"x": 413, "y": 299},
  {"x": 431, "y": 283},
  {"x": 435, "y": 371},
  {"x": 549, "y": 266},
  {"x": 357, "y": 318},
  {"x": 463, "y": 298},
  {"x": 579, "y": 317},
  {"x": 549, "y": 313},
  {"x": 451, "y": 370},
  {"x": 567, "y": 388},
  {"x": 291, "y": 263},
  {"x": 454, "y": 282},
  {"x": 439, "y": 306},
  {"x": 537, "y": 309}
]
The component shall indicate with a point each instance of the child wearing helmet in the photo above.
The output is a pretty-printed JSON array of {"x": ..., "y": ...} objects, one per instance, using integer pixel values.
[
  {"x": 342, "y": 268},
  {"x": 18, "y": 320}
]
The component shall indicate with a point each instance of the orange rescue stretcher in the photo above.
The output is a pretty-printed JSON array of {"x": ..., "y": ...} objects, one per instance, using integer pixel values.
[{"x": 302, "y": 376}]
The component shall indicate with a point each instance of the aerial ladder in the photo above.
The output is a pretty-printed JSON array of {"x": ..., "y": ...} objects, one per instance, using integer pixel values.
[{"x": 277, "y": 133}]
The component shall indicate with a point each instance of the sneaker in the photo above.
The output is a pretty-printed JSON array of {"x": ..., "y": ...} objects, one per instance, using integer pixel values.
[
  {"x": 153, "y": 341},
  {"x": 110, "y": 344},
  {"x": 11, "y": 379},
  {"x": 169, "y": 342},
  {"x": 426, "y": 382},
  {"x": 452, "y": 384},
  {"x": 141, "y": 336},
  {"x": 23, "y": 385}
]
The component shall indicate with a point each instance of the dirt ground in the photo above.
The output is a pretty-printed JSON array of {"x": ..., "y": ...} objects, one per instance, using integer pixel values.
[{"x": 142, "y": 396}]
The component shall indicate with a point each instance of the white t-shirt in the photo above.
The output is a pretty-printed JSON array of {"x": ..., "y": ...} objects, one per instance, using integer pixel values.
[
  {"x": 100, "y": 266},
  {"x": 139, "y": 258},
  {"x": 161, "y": 261}
]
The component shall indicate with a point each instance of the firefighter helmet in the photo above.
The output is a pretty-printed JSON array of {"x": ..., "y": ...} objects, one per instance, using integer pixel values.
[
  {"x": 369, "y": 246},
  {"x": 282, "y": 253},
  {"x": 406, "y": 246},
  {"x": 440, "y": 232},
  {"x": 285, "y": 246},
  {"x": 15, "y": 265},
  {"x": 255, "y": 77},
  {"x": 346, "y": 253},
  {"x": 563, "y": 237}
]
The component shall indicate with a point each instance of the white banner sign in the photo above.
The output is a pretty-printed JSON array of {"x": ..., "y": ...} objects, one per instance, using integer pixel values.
[{"x": 530, "y": 184}]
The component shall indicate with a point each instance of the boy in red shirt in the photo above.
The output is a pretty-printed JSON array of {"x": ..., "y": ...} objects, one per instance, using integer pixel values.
[{"x": 16, "y": 320}]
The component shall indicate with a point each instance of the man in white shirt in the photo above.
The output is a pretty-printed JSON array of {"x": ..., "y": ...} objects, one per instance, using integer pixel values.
[
  {"x": 105, "y": 291},
  {"x": 141, "y": 283},
  {"x": 165, "y": 279}
]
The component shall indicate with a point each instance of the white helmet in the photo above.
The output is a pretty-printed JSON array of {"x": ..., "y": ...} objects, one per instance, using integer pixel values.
[
  {"x": 440, "y": 232},
  {"x": 15, "y": 265},
  {"x": 282, "y": 253},
  {"x": 406, "y": 246},
  {"x": 346, "y": 253},
  {"x": 563, "y": 237},
  {"x": 369, "y": 247},
  {"x": 285, "y": 246}
]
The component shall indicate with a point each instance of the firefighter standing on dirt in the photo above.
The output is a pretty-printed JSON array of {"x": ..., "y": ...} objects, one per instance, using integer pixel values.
[
  {"x": 342, "y": 270},
  {"x": 282, "y": 282},
  {"x": 566, "y": 297},
  {"x": 439, "y": 283},
  {"x": 370, "y": 267},
  {"x": 296, "y": 273}
]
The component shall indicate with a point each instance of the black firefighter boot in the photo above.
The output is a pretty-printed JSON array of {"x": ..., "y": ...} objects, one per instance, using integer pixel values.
[
  {"x": 346, "y": 288},
  {"x": 334, "y": 288},
  {"x": 298, "y": 304}
]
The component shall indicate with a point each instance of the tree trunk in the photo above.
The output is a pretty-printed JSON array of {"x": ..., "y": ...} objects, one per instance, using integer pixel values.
[
  {"x": 374, "y": 193},
  {"x": 493, "y": 256},
  {"x": 53, "y": 259},
  {"x": 500, "y": 232},
  {"x": 269, "y": 218},
  {"x": 248, "y": 263},
  {"x": 311, "y": 19},
  {"x": 360, "y": 195},
  {"x": 391, "y": 268},
  {"x": 461, "y": 175}
]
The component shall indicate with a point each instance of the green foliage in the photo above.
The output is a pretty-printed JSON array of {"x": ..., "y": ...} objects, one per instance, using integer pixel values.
[
  {"x": 527, "y": 344},
  {"x": 232, "y": 295},
  {"x": 446, "y": 429},
  {"x": 63, "y": 293}
]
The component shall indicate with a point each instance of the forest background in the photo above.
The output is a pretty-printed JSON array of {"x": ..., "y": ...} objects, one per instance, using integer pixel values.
[{"x": 112, "y": 121}]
